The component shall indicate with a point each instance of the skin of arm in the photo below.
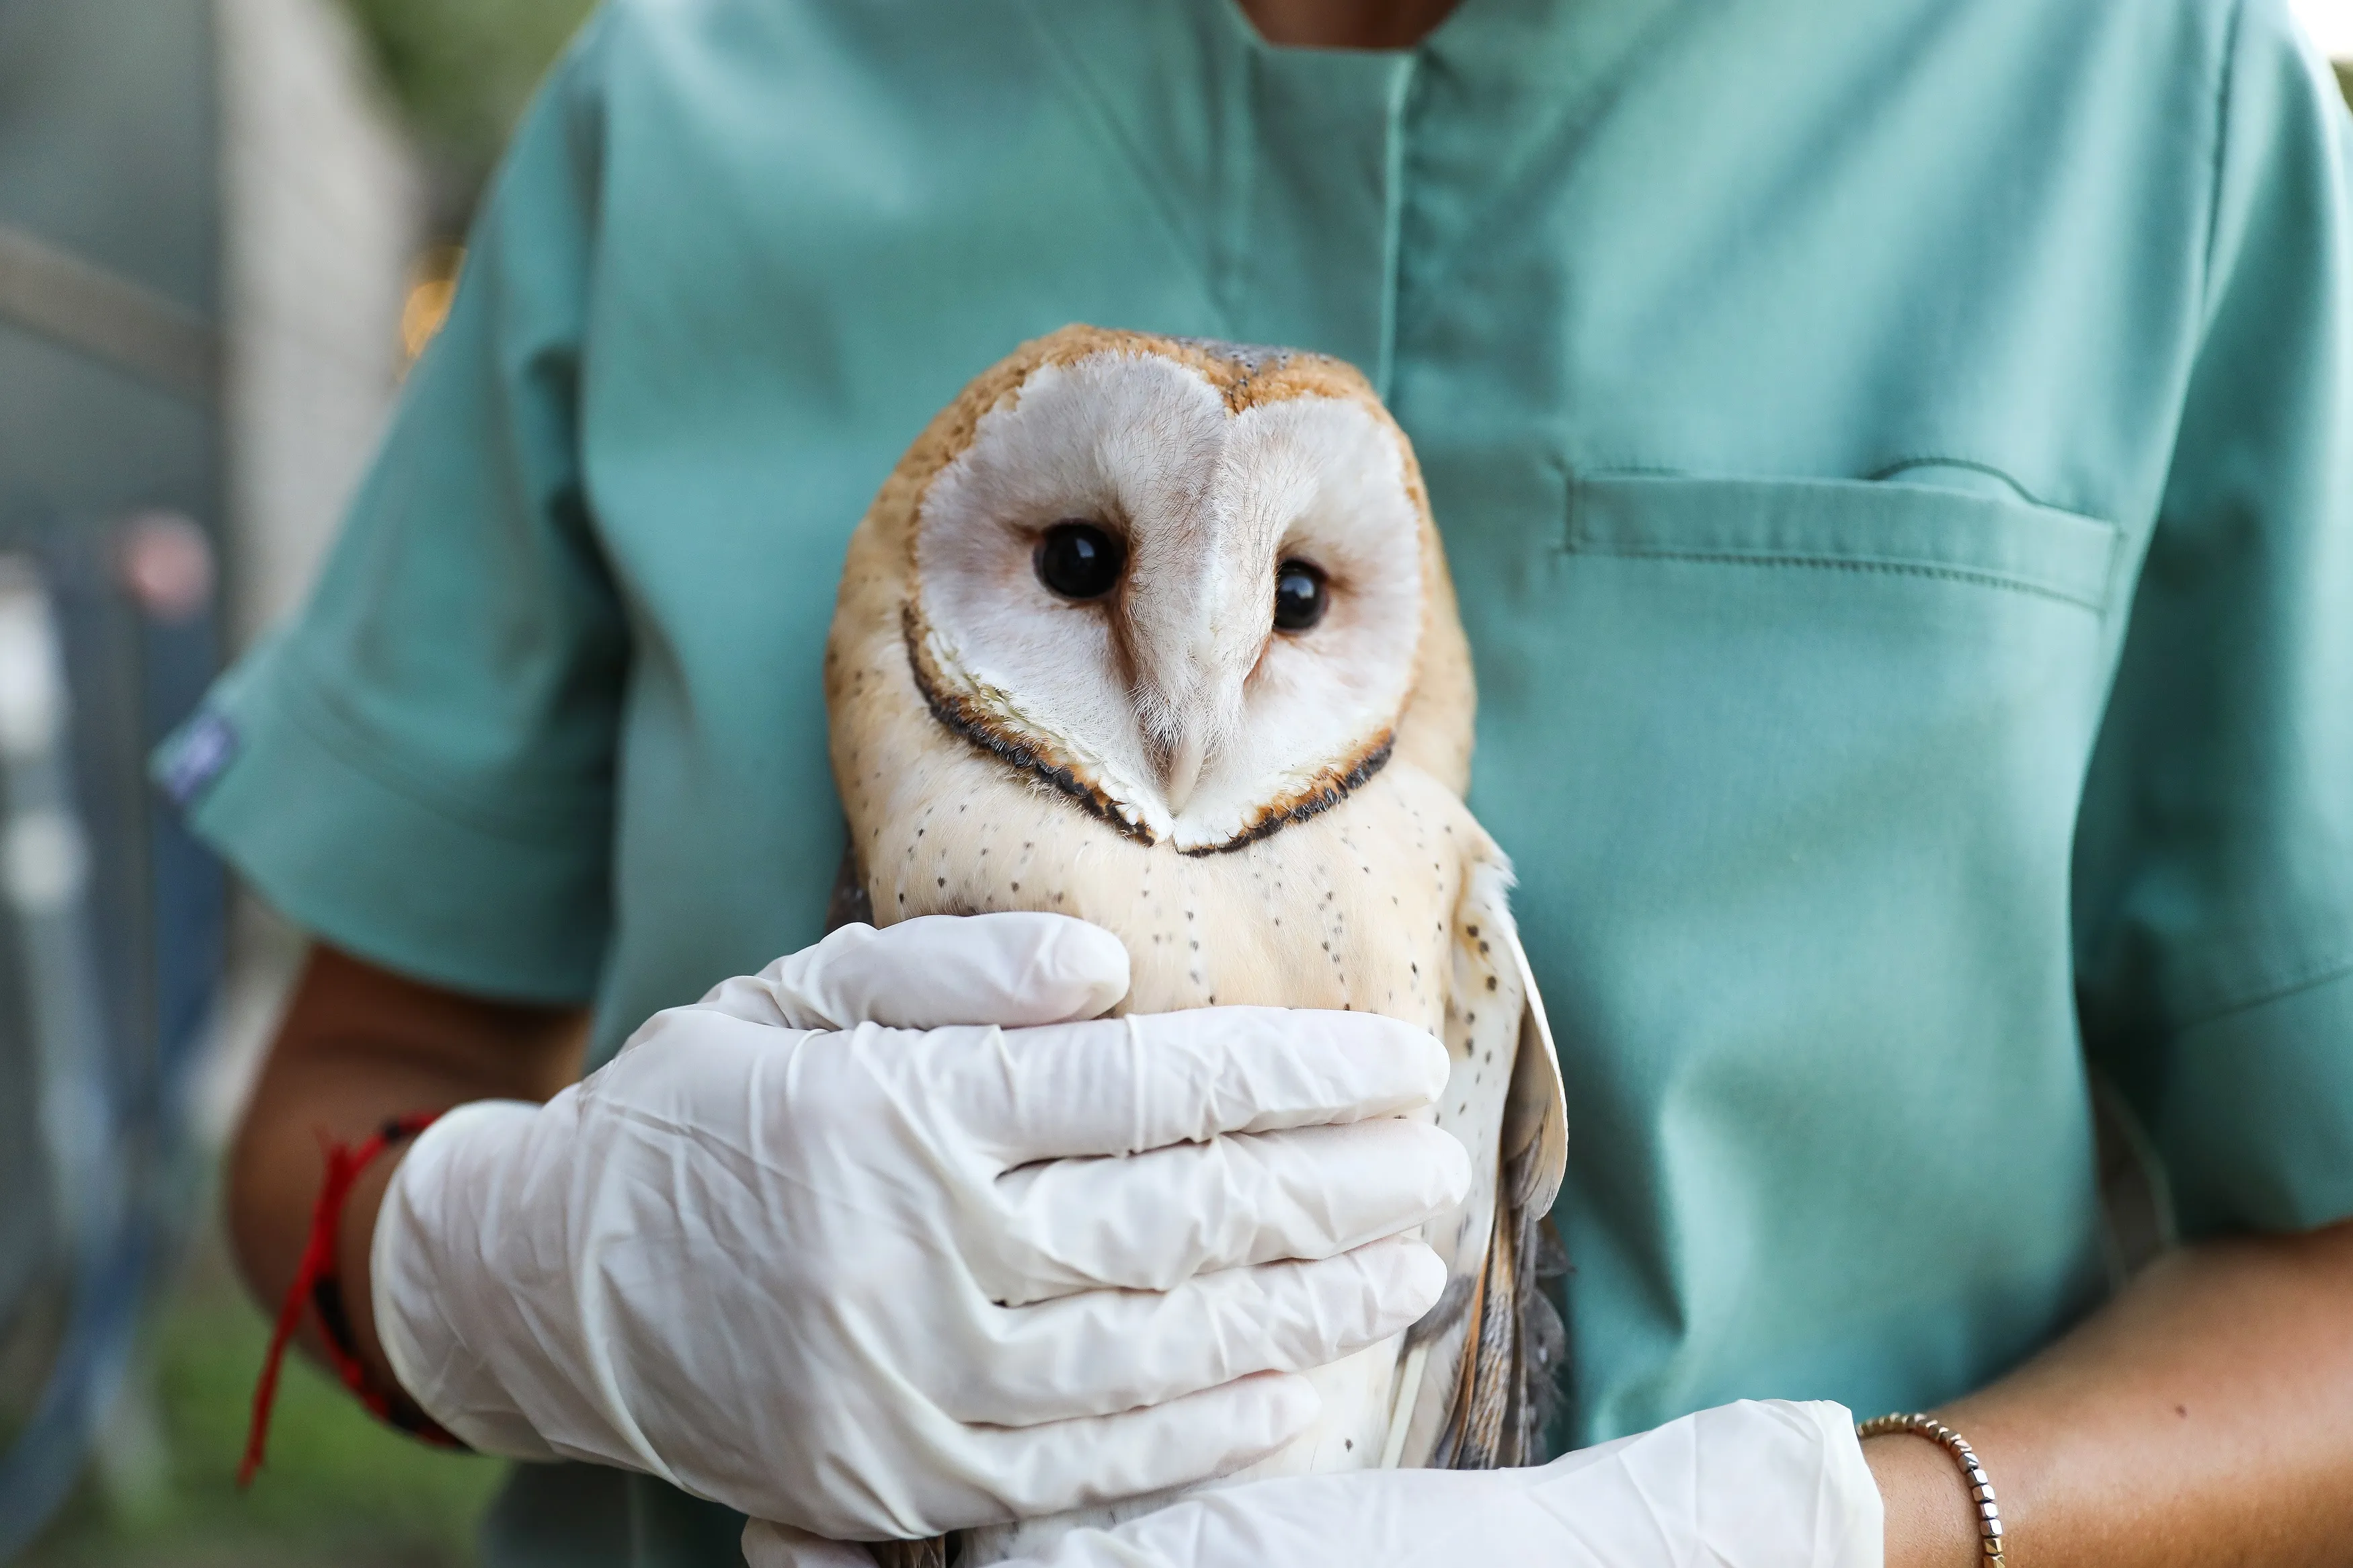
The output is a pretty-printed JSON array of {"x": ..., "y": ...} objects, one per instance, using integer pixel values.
[
  {"x": 1347, "y": 24},
  {"x": 2199, "y": 1417},
  {"x": 358, "y": 1044}
]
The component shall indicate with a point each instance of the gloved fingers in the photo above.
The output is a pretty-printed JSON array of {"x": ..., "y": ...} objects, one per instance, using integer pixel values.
[
  {"x": 767, "y": 1545},
  {"x": 1078, "y": 1463},
  {"x": 1110, "y": 1351},
  {"x": 1118, "y": 1086},
  {"x": 1011, "y": 970},
  {"x": 1152, "y": 1221}
]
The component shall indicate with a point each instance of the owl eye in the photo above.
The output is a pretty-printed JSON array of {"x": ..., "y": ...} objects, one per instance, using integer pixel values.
[
  {"x": 1080, "y": 561},
  {"x": 1301, "y": 597}
]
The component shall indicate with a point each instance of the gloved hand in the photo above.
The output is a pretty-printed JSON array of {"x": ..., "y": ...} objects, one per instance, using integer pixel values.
[
  {"x": 880, "y": 1281},
  {"x": 1752, "y": 1484}
]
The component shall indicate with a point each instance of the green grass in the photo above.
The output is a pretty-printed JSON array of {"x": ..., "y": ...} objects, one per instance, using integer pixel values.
[{"x": 338, "y": 1490}]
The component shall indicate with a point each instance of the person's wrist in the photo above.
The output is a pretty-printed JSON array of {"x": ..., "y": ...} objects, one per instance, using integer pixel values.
[
  {"x": 321, "y": 1298},
  {"x": 355, "y": 1269},
  {"x": 1931, "y": 1519}
]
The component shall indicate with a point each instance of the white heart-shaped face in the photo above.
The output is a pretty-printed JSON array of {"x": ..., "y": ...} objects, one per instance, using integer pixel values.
[{"x": 1171, "y": 701}]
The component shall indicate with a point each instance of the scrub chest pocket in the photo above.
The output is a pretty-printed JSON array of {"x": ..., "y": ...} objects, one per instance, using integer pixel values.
[{"x": 1813, "y": 749}]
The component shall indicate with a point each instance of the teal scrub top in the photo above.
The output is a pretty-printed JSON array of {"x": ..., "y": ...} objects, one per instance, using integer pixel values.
[{"x": 1896, "y": 456}]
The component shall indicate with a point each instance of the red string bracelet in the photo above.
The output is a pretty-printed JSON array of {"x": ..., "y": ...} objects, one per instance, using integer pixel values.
[{"x": 319, "y": 1285}]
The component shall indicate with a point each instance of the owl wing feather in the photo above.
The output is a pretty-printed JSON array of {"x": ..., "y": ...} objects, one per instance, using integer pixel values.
[
  {"x": 1509, "y": 1391},
  {"x": 1475, "y": 1390}
]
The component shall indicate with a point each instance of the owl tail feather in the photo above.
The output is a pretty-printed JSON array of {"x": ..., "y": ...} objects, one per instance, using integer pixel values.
[{"x": 1508, "y": 1393}]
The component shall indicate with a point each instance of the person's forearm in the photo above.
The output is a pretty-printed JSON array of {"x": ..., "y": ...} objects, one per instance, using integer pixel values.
[
  {"x": 358, "y": 1046},
  {"x": 2201, "y": 1418}
]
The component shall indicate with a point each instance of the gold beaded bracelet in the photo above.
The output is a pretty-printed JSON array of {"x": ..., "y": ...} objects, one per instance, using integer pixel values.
[{"x": 1980, "y": 1489}]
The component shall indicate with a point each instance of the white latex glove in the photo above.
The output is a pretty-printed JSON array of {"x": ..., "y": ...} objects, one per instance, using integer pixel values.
[
  {"x": 1752, "y": 1484},
  {"x": 876, "y": 1281}
]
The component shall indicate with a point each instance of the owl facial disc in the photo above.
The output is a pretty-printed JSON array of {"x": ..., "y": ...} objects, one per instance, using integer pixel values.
[{"x": 1096, "y": 590}]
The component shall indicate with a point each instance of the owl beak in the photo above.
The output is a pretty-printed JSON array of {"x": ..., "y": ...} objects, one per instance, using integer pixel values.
[
  {"x": 1188, "y": 690},
  {"x": 1182, "y": 770}
]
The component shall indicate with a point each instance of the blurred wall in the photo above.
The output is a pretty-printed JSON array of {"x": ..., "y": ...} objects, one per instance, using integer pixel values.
[
  {"x": 323, "y": 215},
  {"x": 109, "y": 274}
]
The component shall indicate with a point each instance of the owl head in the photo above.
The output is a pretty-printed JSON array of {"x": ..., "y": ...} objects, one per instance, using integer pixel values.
[{"x": 1193, "y": 587}]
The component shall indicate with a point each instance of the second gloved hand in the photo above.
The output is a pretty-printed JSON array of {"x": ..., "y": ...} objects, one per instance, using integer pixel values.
[
  {"x": 1756, "y": 1484},
  {"x": 875, "y": 1281}
]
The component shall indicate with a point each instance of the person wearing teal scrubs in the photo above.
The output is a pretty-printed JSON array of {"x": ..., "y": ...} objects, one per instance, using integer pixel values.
[{"x": 1896, "y": 458}]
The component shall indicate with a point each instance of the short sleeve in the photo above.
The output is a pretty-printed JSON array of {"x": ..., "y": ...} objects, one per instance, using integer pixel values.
[
  {"x": 419, "y": 768},
  {"x": 2214, "y": 858}
]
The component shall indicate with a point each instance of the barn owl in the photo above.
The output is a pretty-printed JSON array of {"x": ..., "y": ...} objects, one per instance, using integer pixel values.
[{"x": 1157, "y": 632}]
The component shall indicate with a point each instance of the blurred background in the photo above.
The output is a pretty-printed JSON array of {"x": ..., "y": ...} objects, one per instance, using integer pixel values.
[{"x": 227, "y": 227}]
